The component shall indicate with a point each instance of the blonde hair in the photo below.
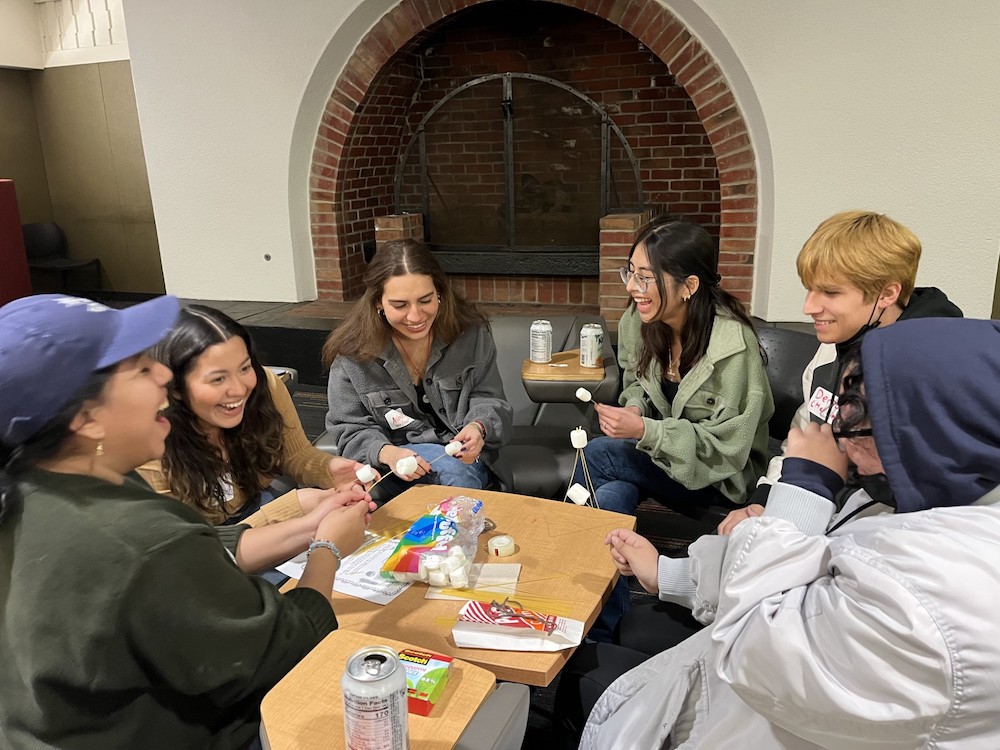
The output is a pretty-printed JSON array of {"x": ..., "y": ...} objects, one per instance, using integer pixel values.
[{"x": 866, "y": 249}]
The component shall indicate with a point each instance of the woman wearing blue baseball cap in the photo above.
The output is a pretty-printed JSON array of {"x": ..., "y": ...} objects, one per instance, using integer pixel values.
[{"x": 123, "y": 620}]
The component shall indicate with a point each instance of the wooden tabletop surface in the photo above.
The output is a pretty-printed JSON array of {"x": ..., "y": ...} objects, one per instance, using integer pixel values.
[
  {"x": 306, "y": 709},
  {"x": 554, "y": 370},
  {"x": 566, "y": 570}
]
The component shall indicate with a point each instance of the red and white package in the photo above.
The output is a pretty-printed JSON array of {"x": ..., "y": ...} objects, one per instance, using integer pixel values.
[{"x": 506, "y": 626}]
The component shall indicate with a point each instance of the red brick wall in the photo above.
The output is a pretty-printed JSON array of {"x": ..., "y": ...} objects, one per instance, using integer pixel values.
[{"x": 667, "y": 95}]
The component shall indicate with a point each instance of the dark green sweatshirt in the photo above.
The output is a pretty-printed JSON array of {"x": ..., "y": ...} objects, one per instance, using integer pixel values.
[{"x": 124, "y": 623}]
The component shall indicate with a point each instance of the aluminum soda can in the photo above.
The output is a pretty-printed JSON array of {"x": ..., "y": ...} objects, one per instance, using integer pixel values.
[
  {"x": 592, "y": 345},
  {"x": 374, "y": 685},
  {"x": 541, "y": 342}
]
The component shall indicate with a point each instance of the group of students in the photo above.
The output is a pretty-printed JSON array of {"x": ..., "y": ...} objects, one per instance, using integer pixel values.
[{"x": 129, "y": 619}]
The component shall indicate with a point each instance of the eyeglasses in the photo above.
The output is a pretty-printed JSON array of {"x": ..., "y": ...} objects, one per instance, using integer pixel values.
[
  {"x": 851, "y": 434},
  {"x": 641, "y": 282}
]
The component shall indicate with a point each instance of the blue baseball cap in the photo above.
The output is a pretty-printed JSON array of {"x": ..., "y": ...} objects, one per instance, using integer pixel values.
[{"x": 51, "y": 343}]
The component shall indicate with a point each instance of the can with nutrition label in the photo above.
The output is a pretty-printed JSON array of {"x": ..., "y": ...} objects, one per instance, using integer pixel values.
[
  {"x": 540, "y": 349},
  {"x": 374, "y": 686},
  {"x": 591, "y": 345}
]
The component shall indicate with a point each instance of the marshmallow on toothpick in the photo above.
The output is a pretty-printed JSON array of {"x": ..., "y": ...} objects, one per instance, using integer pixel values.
[
  {"x": 406, "y": 465},
  {"x": 365, "y": 474},
  {"x": 578, "y": 438},
  {"x": 583, "y": 394},
  {"x": 453, "y": 448},
  {"x": 578, "y": 494}
]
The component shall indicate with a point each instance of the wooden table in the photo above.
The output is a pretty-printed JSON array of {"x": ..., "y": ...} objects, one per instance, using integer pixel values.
[
  {"x": 306, "y": 709},
  {"x": 565, "y": 570},
  {"x": 573, "y": 370}
]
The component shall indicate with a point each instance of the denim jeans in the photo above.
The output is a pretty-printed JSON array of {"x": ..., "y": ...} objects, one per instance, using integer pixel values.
[
  {"x": 622, "y": 477},
  {"x": 445, "y": 469}
]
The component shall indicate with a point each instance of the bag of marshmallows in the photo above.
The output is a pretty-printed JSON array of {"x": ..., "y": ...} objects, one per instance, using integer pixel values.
[{"x": 439, "y": 547}]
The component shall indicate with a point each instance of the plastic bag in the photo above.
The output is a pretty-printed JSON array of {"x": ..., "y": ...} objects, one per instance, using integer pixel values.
[{"x": 439, "y": 547}]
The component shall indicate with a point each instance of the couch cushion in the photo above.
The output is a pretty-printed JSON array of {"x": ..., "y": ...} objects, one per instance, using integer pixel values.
[{"x": 788, "y": 353}]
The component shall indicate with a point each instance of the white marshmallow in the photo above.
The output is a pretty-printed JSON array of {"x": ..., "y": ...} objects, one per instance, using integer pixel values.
[
  {"x": 365, "y": 474},
  {"x": 583, "y": 394},
  {"x": 457, "y": 552},
  {"x": 578, "y": 494},
  {"x": 449, "y": 564},
  {"x": 459, "y": 578},
  {"x": 437, "y": 578},
  {"x": 453, "y": 448},
  {"x": 406, "y": 466},
  {"x": 578, "y": 438},
  {"x": 430, "y": 562}
]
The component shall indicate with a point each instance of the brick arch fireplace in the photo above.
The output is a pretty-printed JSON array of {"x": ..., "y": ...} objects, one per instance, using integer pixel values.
[{"x": 364, "y": 129}]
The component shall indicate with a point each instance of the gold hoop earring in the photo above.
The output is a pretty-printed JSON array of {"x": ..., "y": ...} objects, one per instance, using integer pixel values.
[{"x": 99, "y": 450}]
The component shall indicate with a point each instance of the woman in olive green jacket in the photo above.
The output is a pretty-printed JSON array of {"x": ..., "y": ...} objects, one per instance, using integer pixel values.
[{"x": 692, "y": 425}]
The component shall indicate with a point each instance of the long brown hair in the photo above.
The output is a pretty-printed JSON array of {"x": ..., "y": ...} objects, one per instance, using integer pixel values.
[
  {"x": 364, "y": 333},
  {"x": 194, "y": 467},
  {"x": 676, "y": 250}
]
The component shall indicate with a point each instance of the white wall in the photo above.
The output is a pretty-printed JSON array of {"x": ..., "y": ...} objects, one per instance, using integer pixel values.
[
  {"x": 887, "y": 106},
  {"x": 20, "y": 35}
]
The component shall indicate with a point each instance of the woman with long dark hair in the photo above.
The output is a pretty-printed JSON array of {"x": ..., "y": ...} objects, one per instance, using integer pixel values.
[
  {"x": 692, "y": 424},
  {"x": 412, "y": 368},
  {"x": 125, "y": 622},
  {"x": 234, "y": 429}
]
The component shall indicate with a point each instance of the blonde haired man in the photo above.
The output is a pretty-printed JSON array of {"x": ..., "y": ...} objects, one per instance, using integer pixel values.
[{"x": 859, "y": 269}]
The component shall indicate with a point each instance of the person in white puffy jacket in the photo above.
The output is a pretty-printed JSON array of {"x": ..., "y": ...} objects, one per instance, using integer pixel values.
[{"x": 874, "y": 627}]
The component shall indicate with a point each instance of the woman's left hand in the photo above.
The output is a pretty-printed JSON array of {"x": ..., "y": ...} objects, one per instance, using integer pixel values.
[
  {"x": 471, "y": 438},
  {"x": 343, "y": 472},
  {"x": 620, "y": 422}
]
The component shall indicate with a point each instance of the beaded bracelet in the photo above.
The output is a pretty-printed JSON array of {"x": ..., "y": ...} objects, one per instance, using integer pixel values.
[{"x": 324, "y": 544}]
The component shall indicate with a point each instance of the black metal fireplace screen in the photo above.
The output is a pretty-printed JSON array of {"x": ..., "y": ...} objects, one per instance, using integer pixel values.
[{"x": 512, "y": 173}]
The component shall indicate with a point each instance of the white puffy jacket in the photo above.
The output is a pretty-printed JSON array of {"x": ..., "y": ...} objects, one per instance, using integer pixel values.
[{"x": 883, "y": 635}]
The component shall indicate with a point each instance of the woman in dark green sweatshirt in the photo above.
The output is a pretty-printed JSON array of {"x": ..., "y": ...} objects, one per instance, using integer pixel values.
[{"x": 124, "y": 622}]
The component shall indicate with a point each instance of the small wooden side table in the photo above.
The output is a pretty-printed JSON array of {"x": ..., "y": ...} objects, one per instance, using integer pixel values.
[
  {"x": 305, "y": 710},
  {"x": 565, "y": 366}
]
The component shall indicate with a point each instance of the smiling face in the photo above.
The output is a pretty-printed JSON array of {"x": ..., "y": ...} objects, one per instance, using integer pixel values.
[
  {"x": 838, "y": 310},
  {"x": 650, "y": 304},
  {"x": 132, "y": 429},
  {"x": 219, "y": 383},
  {"x": 410, "y": 303}
]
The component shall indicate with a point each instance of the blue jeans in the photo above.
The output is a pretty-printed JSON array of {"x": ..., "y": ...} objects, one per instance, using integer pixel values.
[
  {"x": 622, "y": 477},
  {"x": 446, "y": 470}
]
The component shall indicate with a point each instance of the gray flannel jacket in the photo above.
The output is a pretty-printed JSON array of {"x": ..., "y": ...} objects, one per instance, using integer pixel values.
[{"x": 461, "y": 381}]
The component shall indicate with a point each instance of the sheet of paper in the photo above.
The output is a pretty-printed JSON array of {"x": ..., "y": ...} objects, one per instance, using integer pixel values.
[
  {"x": 485, "y": 579},
  {"x": 359, "y": 574}
]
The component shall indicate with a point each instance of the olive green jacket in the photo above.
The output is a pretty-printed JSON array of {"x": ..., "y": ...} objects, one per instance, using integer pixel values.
[{"x": 715, "y": 431}]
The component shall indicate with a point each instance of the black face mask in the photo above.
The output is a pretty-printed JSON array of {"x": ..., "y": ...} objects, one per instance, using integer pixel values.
[{"x": 877, "y": 487}]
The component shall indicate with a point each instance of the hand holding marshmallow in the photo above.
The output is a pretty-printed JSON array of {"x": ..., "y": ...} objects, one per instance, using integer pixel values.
[{"x": 472, "y": 441}]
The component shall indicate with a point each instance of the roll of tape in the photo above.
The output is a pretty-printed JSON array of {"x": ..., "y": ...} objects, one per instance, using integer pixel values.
[{"x": 501, "y": 546}]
